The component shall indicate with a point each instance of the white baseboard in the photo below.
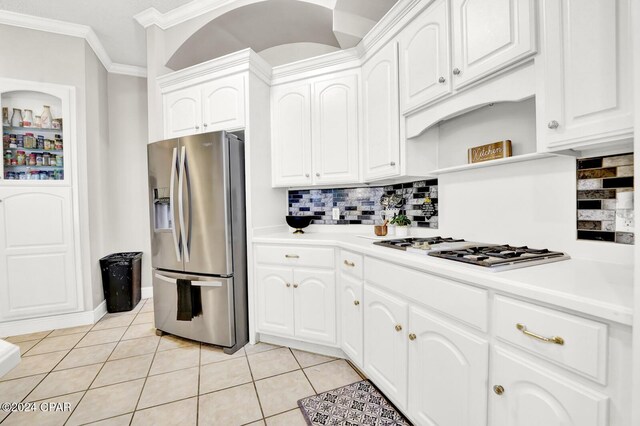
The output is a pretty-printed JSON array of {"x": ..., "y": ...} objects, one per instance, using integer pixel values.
[
  {"x": 302, "y": 346},
  {"x": 53, "y": 322},
  {"x": 147, "y": 292}
]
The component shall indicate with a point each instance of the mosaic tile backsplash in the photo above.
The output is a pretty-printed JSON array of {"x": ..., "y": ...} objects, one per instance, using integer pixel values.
[
  {"x": 605, "y": 199},
  {"x": 419, "y": 201}
]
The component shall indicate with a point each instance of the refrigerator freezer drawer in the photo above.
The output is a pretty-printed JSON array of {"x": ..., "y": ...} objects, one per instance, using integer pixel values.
[{"x": 215, "y": 325}]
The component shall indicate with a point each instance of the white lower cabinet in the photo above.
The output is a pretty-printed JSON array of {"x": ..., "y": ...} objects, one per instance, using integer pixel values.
[
  {"x": 527, "y": 395},
  {"x": 275, "y": 300},
  {"x": 38, "y": 267},
  {"x": 295, "y": 301},
  {"x": 314, "y": 301},
  {"x": 448, "y": 369},
  {"x": 385, "y": 344},
  {"x": 351, "y": 317}
]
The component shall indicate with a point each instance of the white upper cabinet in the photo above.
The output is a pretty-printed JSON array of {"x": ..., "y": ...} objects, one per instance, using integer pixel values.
[
  {"x": 448, "y": 369},
  {"x": 385, "y": 345},
  {"x": 425, "y": 69},
  {"x": 489, "y": 35},
  {"x": 223, "y": 104},
  {"x": 208, "y": 107},
  {"x": 524, "y": 394},
  {"x": 291, "y": 135},
  {"x": 381, "y": 127},
  {"x": 584, "y": 90},
  {"x": 335, "y": 130},
  {"x": 315, "y": 132},
  {"x": 182, "y": 112}
]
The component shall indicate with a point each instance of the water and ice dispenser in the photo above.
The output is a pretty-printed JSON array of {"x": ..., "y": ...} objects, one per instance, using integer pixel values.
[{"x": 162, "y": 206}]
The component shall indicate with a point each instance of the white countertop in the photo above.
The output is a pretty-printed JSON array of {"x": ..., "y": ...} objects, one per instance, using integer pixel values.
[{"x": 604, "y": 290}]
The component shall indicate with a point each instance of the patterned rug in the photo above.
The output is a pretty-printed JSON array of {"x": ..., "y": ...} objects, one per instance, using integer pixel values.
[{"x": 353, "y": 405}]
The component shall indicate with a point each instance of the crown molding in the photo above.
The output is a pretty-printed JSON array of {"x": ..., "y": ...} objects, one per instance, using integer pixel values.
[
  {"x": 305, "y": 68},
  {"x": 73, "y": 30},
  {"x": 242, "y": 60},
  {"x": 196, "y": 8},
  {"x": 391, "y": 23}
]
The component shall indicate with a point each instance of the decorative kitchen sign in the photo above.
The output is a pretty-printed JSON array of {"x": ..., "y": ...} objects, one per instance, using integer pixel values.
[{"x": 491, "y": 151}]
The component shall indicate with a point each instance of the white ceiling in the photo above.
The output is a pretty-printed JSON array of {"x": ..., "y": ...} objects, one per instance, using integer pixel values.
[{"x": 295, "y": 23}]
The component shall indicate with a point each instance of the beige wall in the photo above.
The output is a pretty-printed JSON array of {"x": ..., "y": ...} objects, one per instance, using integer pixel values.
[{"x": 128, "y": 221}]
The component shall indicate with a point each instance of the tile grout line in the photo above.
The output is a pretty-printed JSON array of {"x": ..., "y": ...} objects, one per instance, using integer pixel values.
[
  {"x": 198, "y": 388},
  {"x": 304, "y": 372},
  {"x": 96, "y": 376},
  {"x": 253, "y": 381}
]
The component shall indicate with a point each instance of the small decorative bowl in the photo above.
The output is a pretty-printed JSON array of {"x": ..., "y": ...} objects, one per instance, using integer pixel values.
[{"x": 299, "y": 222}]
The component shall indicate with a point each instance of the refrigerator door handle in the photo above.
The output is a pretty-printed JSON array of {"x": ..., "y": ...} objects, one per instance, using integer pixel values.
[
  {"x": 185, "y": 245},
  {"x": 195, "y": 283},
  {"x": 174, "y": 164}
]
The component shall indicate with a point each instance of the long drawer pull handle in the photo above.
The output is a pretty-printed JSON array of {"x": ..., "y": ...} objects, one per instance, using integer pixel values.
[
  {"x": 352, "y": 264},
  {"x": 555, "y": 339},
  {"x": 291, "y": 256}
]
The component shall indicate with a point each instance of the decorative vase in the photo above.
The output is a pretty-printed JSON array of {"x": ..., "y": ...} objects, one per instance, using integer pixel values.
[
  {"x": 16, "y": 117},
  {"x": 5, "y": 117},
  {"x": 391, "y": 229},
  {"x": 27, "y": 120},
  {"x": 402, "y": 231},
  {"x": 45, "y": 117}
]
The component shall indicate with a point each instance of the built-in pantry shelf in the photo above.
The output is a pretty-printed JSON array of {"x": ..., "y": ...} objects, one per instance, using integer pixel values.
[{"x": 492, "y": 163}]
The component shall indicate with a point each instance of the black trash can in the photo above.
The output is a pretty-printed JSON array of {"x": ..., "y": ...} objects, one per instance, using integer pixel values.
[{"x": 121, "y": 280}]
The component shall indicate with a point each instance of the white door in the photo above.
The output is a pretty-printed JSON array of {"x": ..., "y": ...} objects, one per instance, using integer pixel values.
[
  {"x": 351, "y": 316},
  {"x": 385, "y": 343},
  {"x": 531, "y": 396},
  {"x": 275, "y": 300},
  {"x": 425, "y": 68},
  {"x": 38, "y": 268},
  {"x": 291, "y": 135},
  {"x": 335, "y": 130},
  {"x": 448, "y": 372},
  {"x": 315, "y": 305},
  {"x": 381, "y": 127},
  {"x": 182, "y": 112},
  {"x": 223, "y": 104},
  {"x": 489, "y": 35},
  {"x": 587, "y": 71}
]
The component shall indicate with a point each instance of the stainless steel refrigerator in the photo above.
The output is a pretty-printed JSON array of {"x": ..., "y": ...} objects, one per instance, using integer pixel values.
[{"x": 197, "y": 207}]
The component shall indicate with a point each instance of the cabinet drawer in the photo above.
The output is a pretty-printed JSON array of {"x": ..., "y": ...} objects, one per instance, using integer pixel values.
[
  {"x": 351, "y": 263},
  {"x": 463, "y": 302},
  {"x": 583, "y": 347},
  {"x": 318, "y": 257}
]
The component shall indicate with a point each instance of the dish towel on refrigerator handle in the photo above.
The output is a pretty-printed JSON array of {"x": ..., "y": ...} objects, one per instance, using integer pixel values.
[{"x": 189, "y": 300}]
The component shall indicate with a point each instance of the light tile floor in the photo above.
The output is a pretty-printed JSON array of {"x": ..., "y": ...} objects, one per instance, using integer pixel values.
[{"x": 118, "y": 372}]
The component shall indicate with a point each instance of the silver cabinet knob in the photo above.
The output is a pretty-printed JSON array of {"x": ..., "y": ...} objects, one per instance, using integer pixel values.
[
  {"x": 441, "y": 80},
  {"x": 205, "y": 124},
  {"x": 317, "y": 174},
  {"x": 553, "y": 124},
  {"x": 288, "y": 284},
  {"x": 306, "y": 175},
  {"x": 197, "y": 127},
  {"x": 295, "y": 286},
  {"x": 456, "y": 71},
  {"x": 356, "y": 302},
  {"x": 393, "y": 163}
]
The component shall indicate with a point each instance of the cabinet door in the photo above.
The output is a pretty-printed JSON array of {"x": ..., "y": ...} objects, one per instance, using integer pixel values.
[
  {"x": 351, "y": 315},
  {"x": 381, "y": 127},
  {"x": 315, "y": 305},
  {"x": 182, "y": 112},
  {"x": 489, "y": 35},
  {"x": 587, "y": 72},
  {"x": 425, "y": 54},
  {"x": 223, "y": 104},
  {"x": 37, "y": 253},
  {"x": 385, "y": 343},
  {"x": 291, "y": 135},
  {"x": 533, "y": 396},
  {"x": 448, "y": 371},
  {"x": 335, "y": 130},
  {"x": 275, "y": 300}
]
